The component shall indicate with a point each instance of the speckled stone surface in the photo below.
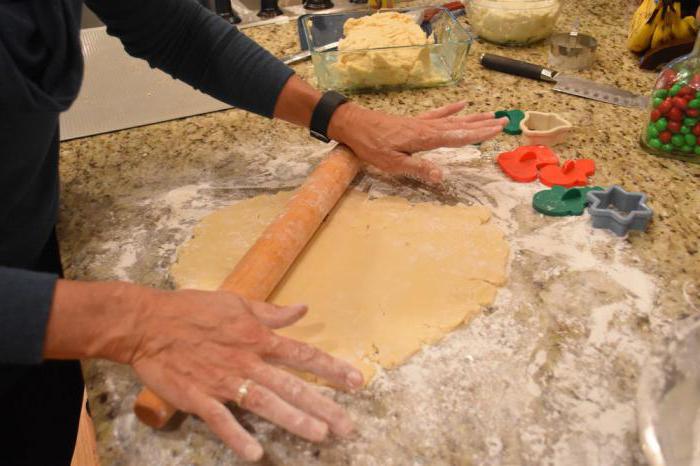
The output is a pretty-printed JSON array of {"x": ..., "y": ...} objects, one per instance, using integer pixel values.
[{"x": 546, "y": 376}]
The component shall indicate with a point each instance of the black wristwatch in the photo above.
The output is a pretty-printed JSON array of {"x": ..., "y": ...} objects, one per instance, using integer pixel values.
[{"x": 323, "y": 112}]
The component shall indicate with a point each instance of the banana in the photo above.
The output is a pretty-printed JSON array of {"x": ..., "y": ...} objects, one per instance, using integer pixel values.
[
  {"x": 692, "y": 22},
  {"x": 680, "y": 29},
  {"x": 663, "y": 30},
  {"x": 643, "y": 26},
  {"x": 657, "y": 22},
  {"x": 642, "y": 14}
]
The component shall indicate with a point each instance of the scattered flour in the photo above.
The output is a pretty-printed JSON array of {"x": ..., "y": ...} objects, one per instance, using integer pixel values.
[{"x": 545, "y": 376}]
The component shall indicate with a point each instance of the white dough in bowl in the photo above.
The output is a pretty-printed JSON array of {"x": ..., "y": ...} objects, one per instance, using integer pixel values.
[
  {"x": 513, "y": 21},
  {"x": 383, "y": 67}
]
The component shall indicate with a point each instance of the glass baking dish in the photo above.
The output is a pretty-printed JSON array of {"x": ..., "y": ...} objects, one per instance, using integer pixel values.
[{"x": 442, "y": 60}]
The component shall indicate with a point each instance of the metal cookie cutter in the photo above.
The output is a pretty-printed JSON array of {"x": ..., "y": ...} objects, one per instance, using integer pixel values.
[
  {"x": 619, "y": 211},
  {"x": 572, "y": 51}
]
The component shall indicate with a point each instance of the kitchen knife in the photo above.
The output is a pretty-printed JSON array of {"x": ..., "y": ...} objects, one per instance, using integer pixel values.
[
  {"x": 301, "y": 56},
  {"x": 565, "y": 83}
]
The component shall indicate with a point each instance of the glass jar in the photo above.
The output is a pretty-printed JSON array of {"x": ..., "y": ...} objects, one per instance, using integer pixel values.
[
  {"x": 672, "y": 128},
  {"x": 513, "y": 22}
]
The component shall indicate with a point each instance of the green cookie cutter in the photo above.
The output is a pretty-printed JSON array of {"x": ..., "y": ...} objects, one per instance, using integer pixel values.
[
  {"x": 514, "y": 119},
  {"x": 560, "y": 202}
]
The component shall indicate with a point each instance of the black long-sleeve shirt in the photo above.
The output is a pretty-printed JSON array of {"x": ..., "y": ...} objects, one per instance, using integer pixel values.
[{"x": 40, "y": 72}]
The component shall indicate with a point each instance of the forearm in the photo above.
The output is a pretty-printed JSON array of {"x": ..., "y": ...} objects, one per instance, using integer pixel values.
[
  {"x": 94, "y": 320},
  {"x": 296, "y": 102}
]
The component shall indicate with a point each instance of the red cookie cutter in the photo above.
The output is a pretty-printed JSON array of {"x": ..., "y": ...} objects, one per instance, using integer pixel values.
[
  {"x": 572, "y": 173},
  {"x": 523, "y": 163}
]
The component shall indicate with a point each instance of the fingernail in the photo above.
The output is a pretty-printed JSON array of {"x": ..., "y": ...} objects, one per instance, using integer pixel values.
[
  {"x": 320, "y": 431},
  {"x": 253, "y": 452},
  {"x": 354, "y": 379},
  {"x": 344, "y": 427}
]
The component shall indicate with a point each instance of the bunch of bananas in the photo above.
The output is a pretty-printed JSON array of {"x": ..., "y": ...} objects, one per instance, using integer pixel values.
[{"x": 658, "y": 22}]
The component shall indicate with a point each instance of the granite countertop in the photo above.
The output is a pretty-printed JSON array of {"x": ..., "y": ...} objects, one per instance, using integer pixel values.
[{"x": 547, "y": 375}]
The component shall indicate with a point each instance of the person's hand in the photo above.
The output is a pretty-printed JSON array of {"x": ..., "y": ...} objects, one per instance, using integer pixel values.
[
  {"x": 199, "y": 350},
  {"x": 387, "y": 141}
]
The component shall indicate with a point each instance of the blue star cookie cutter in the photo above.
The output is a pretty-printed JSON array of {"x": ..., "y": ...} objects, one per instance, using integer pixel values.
[{"x": 619, "y": 211}]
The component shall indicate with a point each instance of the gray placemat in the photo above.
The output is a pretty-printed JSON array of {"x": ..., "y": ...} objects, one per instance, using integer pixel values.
[{"x": 122, "y": 92}]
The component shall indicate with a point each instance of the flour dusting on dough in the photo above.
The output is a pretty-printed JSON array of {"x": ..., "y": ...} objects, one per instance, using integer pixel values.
[{"x": 373, "y": 265}]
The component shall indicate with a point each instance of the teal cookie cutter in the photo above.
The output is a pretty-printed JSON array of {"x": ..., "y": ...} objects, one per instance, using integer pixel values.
[
  {"x": 514, "y": 118},
  {"x": 560, "y": 201}
]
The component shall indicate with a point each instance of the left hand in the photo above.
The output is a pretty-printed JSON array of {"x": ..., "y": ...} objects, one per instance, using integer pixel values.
[{"x": 387, "y": 141}]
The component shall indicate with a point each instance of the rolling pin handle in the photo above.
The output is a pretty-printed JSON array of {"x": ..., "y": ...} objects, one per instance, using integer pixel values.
[{"x": 152, "y": 410}]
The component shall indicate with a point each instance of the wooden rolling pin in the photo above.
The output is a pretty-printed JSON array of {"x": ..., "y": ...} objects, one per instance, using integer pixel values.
[{"x": 257, "y": 274}]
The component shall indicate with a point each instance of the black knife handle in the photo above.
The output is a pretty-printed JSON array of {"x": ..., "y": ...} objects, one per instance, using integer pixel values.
[{"x": 517, "y": 67}]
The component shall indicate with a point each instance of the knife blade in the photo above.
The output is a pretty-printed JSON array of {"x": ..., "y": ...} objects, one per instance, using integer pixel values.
[
  {"x": 303, "y": 55},
  {"x": 567, "y": 84}
]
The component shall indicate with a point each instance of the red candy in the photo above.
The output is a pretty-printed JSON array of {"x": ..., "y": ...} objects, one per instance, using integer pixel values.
[
  {"x": 665, "y": 137},
  {"x": 667, "y": 78},
  {"x": 692, "y": 112},
  {"x": 695, "y": 81},
  {"x": 674, "y": 126},
  {"x": 655, "y": 114},
  {"x": 696, "y": 129},
  {"x": 675, "y": 114},
  {"x": 665, "y": 106},
  {"x": 687, "y": 92},
  {"x": 679, "y": 102}
]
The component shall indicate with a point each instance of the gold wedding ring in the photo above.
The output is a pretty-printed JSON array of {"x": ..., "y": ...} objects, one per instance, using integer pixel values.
[{"x": 242, "y": 392}]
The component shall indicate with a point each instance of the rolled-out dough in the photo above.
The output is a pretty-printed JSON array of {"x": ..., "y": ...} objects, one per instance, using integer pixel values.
[{"x": 381, "y": 277}]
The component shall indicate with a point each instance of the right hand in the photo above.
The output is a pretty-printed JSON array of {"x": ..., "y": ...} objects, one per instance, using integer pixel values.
[
  {"x": 388, "y": 141},
  {"x": 197, "y": 348}
]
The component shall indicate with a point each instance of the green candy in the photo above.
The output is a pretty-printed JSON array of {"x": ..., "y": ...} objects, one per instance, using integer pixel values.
[
  {"x": 652, "y": 132},
  {"x": 677, "y": 140},
  {"x": 685, "y": 130},
  {"x": 695, "y": 103},
  {"x": 657, "y": 101},
  {"x": 690, "y": 139},
  {"x": 667, "y": 147},
  {"x": 696, "y": 150},
  {"x": 661, "y": 124},
  {"x": 675, "y": 89},
  {"x": 661, "y": 93},
  {"x": 655, "y": 143},
  {"x": 690, "y": 121},
  {"x": 687, "y": 149}
]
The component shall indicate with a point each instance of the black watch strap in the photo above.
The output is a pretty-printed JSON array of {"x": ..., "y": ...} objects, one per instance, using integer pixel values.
[{"x": 323, "y": 112}]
